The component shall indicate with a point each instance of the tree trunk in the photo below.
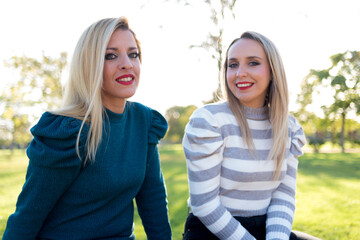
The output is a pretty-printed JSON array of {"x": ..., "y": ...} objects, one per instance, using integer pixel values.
[
  {"x": 342, "y": 132},
  {"x": 316, "y": 149}
]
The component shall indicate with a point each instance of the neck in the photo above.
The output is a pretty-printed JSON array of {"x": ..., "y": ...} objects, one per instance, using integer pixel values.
[{"x": 116, "y": 107}]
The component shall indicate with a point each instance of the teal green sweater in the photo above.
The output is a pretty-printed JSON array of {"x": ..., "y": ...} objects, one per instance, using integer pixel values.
[{"x": 61, "y": 199}]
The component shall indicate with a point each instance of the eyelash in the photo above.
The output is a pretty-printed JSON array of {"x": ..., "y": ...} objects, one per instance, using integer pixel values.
[
  {"x": 252, "y": 63},
  {"x": 134, "y": 55},
  {"x": 112, "y": 56},
  {"x": 232, "y": 65}
]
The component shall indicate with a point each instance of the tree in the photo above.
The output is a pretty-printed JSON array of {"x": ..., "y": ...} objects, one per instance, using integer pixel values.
[
  {"x": 343, "y": 78},
  {"x": 38, "y": 89},
  {"x": 43, "y": 76},
  {"x": 214, "y": 42},
  {"x": 316, "y": 129},
  {"x": 353, "y": 132},
  {"x": 177, "y": 118},
  {"x": 15, "y": 127}
]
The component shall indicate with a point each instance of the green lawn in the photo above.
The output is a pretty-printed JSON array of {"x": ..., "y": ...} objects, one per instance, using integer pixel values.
[{"x": 328, "y": 194}]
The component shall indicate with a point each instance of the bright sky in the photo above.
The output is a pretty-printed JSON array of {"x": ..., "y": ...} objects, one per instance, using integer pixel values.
[{"x": 307, "y": 33}]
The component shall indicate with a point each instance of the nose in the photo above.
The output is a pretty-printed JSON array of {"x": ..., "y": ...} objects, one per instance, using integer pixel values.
[
  {"x": 241, "y": 71},
  {"x": 125, "y": 63}
]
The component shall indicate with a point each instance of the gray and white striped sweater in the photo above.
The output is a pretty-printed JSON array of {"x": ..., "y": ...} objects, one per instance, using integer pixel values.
[{"x": 225, "y": 180}]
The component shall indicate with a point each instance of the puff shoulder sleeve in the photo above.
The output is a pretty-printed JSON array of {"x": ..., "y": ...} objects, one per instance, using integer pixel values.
[
  {"x": 53, "y": 166},
  {"x": 298, "y": 139},
  {"x": 56, "y": 136},
  {"x": 158, "y": 127}
]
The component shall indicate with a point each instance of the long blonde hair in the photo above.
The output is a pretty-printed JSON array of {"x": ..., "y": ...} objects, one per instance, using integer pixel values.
[
  {"x": 277, "y": 101},
  {"x": 82, "y": 95}
]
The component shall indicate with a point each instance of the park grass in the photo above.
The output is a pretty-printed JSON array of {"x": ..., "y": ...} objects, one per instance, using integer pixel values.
[
  {"x": 12, "y": 176},
  {"x": 328, "y": 193},
  {"x": 328, "y": 196}
]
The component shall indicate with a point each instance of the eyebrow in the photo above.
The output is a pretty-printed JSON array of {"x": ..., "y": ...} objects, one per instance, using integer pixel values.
[
  {"x": 250, "y": 57},
  {"x": 115, "y": 49}
]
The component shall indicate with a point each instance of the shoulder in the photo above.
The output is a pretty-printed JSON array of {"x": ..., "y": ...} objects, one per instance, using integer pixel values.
[
  {"x": 297, "y": 135},
  {"x": 145, "y": 111},
  {"x": 294, "y": 126},
  {"x": 156, "y": 121},
  {"x": 56, "y": 126},
  {"x": 203, "y": 132},
  {"x": 212, "y": 109},
  {"x": 135, "y": 106},
  {"x": 209, "y": 119},
  {"x": 215, "y": 114},
  {"x": 54, "y": 142}
]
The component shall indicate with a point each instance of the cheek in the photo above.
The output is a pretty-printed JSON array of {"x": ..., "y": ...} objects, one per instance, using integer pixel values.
[
  {"x": 106, "y": 71},
  {"x": 137, "y": 69},
  {"x": 264, "y": 73},
  {"x": 107, "y": 76},
  {"x": 230, "y": 76}
]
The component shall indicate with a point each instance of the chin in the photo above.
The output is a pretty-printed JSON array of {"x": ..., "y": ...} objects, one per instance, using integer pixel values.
[{"x": 129, "y": 93}]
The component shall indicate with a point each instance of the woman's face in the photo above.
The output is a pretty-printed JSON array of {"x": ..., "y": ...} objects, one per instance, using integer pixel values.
[
  {"x": 121, "y": 70},
  {"x": 248, "y": 72}
]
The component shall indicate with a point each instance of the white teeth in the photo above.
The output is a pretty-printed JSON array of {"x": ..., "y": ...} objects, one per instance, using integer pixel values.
[
  {"x": 244, "y": 84},
  {"x": 128, "y": 79}
]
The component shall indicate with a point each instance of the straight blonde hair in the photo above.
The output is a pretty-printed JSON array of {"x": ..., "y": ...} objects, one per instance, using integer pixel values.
[
  {"x": 277, "y": 101},
  {"x": 83, "y": 90}
]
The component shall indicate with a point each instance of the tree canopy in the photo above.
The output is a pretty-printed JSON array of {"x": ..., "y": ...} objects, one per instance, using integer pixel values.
[
  {"x": 177, "y": 118},
  {"x": 38, "y": 89},
  {"x": 343, "y": 80}
]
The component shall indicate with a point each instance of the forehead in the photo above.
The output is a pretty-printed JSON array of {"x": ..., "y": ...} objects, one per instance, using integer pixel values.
[
  {"x": 122, "y": 37},
  {"x": 246, "y": 48}
]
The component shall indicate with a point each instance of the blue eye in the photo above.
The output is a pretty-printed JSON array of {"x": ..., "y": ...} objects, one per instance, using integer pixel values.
[{"x": 110, "y": 56}]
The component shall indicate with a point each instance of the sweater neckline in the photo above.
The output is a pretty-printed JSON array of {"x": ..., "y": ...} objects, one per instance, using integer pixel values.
[
  {"x": 261, "y": 113},
  {"x": 116, "y": 117}
]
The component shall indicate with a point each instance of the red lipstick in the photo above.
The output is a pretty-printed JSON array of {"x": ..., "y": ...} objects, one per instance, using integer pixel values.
[
  {"x": 125, "y": 79},
  {"x": 244, "y": 85}
]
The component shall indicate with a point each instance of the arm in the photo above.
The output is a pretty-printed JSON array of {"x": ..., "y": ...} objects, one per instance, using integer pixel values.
[
  {"x": 151, "y": 200},
  {"x": 203, "y": 147},
  {"x": 42, "y": 189},
  {"x": 280, "y": 214},
  {"x": 53, "y": 165},
  {"x": 281, "y": 211}
]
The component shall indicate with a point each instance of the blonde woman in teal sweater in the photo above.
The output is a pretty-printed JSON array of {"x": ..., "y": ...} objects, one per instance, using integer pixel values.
[{"x": 91, "y": 159}]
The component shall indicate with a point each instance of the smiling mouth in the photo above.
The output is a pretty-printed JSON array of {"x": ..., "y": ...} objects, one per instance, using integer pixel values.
[
  {"x": 244, "y": 85},
  {"x": 125, "y": 80}
]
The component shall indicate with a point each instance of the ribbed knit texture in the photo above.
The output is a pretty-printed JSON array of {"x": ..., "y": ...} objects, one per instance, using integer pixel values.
[
  {"x": 63, "y": 200},
  {"x": 226, "y": 180}
]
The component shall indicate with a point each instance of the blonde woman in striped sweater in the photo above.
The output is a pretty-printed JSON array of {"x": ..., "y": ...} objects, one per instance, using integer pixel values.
[{"x": 242, "y": 153}]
